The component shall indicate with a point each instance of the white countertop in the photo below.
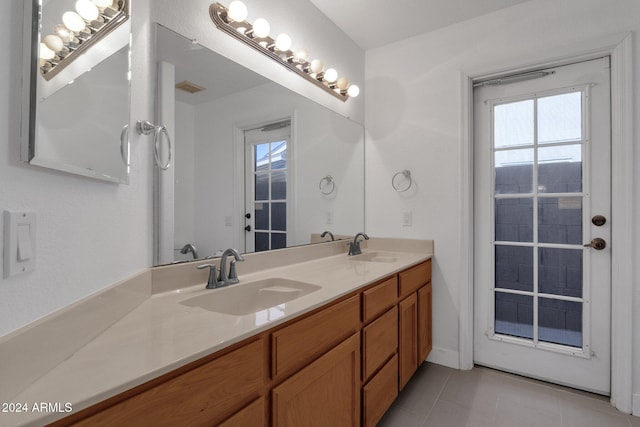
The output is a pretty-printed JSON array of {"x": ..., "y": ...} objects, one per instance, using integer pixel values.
[{"x": 161, "y": 334}]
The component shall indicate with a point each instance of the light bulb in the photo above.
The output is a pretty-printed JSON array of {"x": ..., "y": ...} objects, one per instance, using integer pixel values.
[
  {"x": 102, "y": 3},
  {"x": 45, "y": 52},
  {"x": 261, "y": 28},
  {"x": 330, "y": 75},
  {"x": 54, "y": 43},
  {"x": 283, "y": 42},
  {"x": 237, "y": 11},
  {"x": 63, "y": 32},
  {"x": 353, "y": 91},
  {"x": 316, "y": 66},
  {"x": 87, "y": 10},
  {"x": 302, "y": 55},
  {"x": 73, "y": 21},
  {"x": 342, "y": 83}
]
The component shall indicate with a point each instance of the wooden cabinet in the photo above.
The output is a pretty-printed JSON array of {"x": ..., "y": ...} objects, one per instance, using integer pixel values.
[
  {"x": 407, "y": 339},
  {"x": 253, "y": 415},
  {"x": 342, "y": 364},
  {"x": 379, "y": 393},
  {"x": 201, "y": 396},
  {"x": 297, "y": 344},
  {"x": 424, "y": 322},
  {"x": 325, "y": 393},
  {"x": 414, "y": 346},
  {"x": 378, "y": 299}
]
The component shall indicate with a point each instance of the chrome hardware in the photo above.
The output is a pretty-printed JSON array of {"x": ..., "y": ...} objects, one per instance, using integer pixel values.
[
  {"x": 599, "y": 220},
  {"x": 212, "y": 282},
  {"x": 147, "y": 128},
  {"x": 597, "y": 244},
  {"x": 232, "y": 278},
  {"x": 354, "y": 247}
]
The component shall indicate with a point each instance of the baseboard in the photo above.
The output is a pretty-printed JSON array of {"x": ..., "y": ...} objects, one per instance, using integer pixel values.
[
  {"x": 445, "y": 357},
  {"x": 636, "y": 405}
]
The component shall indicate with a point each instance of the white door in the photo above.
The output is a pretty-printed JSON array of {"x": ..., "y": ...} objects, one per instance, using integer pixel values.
[
  {"x": 267, "y": 187},
  {"x": 541, "y": 190}
]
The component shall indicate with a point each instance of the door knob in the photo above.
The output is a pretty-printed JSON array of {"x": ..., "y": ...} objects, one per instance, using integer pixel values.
[
  {"x": 597, "y": 244},
  {"x": 599, "y": 220}
]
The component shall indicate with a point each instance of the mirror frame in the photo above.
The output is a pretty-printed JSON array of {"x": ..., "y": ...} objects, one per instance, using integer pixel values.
[{"x": 29, "y": 114}]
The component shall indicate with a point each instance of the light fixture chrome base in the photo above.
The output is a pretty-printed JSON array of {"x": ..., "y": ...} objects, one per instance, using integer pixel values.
[{"x": 239, "y": 30}]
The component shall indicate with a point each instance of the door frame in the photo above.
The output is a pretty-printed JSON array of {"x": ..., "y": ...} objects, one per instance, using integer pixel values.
[
  {"x": 621, "y": 206},
  {"x": 239, "y": 172}
]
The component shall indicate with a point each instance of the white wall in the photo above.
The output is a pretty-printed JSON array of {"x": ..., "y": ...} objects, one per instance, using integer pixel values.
[
  {"x": 413, "y": 120},
  {"x": 306, "y": 25},
  {"x": 323, "y": 143},
  {"x": 90, "y": 233}
]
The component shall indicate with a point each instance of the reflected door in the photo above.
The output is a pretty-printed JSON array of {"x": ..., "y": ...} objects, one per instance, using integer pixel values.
[
  {"x": 267, "y": 187},
  {"x": 542, "y": 173}
]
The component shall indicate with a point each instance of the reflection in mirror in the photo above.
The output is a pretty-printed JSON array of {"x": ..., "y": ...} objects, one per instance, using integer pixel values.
[
  {"x": 251, "y": 158},
  {"x": 76, "y": 119}
]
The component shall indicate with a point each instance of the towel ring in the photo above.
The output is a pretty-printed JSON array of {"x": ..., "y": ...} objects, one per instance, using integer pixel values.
[
  {"x": 407, "y": 175},
  {"x": 325, "y": 183},
  {"x": 147, "y": 128}
]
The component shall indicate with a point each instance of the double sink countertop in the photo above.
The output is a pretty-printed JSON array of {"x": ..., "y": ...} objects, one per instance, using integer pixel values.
[{"x": 173, "y": 328}]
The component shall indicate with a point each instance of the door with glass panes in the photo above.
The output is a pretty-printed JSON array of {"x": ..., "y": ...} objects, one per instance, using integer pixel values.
[
  {"x": 267, "y": 186},
  {"x": 542, "y": 263}
]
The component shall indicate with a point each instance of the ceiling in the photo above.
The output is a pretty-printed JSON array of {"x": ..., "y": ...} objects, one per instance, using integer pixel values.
[
  {"x": 194, "y": 64},
  {"x": 373, "y": 23}
]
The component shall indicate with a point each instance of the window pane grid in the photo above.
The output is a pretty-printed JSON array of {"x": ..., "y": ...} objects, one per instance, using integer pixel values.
[{"x": 547, "y": 209}]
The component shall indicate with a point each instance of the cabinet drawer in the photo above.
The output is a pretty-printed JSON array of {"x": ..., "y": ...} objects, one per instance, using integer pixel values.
[
  {"x": 253, "y": 415},
  {"x": 380, "y": 393},
  {"x": 379, "y": 342},
  {"x": 414, "y": 278},
  {"x": 379, "y": 298},
  {"x": 325, "y": 393},
  {"x": 201, "y": 396},
  {"x": 298, "y": 344}
]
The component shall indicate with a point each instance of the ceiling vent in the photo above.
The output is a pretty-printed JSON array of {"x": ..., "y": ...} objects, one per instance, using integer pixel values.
[{"x": 188, "y": 86}]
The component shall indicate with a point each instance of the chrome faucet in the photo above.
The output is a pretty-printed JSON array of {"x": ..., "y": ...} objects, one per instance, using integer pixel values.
[
  {"x": 232, "y": 277},
  {"x": 212, "y": 282},
  {"x": 329, "y": 233},
  {"x": 354, "y": 247},
  {"x": 189, "y": 248}
]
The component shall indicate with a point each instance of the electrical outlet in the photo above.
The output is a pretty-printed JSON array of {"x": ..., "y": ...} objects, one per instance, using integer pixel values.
[
  {"x": 329, "y": 217},
  {"x": 407, "y": 219}
]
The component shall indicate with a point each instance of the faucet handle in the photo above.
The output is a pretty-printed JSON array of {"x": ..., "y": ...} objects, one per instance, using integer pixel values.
[
  {"x": 212, "y": 282},
  {"x": 233, "y": 275}
]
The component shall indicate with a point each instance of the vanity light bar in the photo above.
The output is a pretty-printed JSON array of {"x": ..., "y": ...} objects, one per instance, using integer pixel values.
[
  {"x": 91, "y": 22},
  {"x": 232, "y": 21}
]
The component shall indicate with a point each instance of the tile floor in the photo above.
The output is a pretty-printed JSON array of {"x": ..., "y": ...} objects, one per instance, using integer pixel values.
[{"x": 438, "y": 396}]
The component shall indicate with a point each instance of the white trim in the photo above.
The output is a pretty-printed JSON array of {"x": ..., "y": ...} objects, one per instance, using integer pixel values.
[
  {"x": 636, "y": 405},
  {"x": 622, "y": 209},
  {"x": 445, "y": 357},
  {"x": 465, "y": 335},
  {"x": 621, "y": 224}
]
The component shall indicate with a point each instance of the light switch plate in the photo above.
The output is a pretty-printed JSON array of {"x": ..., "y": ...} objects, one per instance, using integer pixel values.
[
  {"x": 407, "y": 219},
  {"x": 19, "y": 242}
]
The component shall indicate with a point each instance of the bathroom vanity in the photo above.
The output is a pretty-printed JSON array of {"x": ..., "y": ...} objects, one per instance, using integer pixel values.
[{"x": 335, "y": 346}]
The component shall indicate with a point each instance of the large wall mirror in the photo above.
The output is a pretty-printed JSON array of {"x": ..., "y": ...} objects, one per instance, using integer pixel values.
[
  {"x": 255, "y": 166},
  {"x": 76, "y": 99}
]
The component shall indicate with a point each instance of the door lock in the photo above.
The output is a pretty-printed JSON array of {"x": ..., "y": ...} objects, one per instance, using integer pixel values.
[
  {"x": 599, "y": 220},
  {"x": 247, "y": 228},
  {"x": 597, "y": 244}
]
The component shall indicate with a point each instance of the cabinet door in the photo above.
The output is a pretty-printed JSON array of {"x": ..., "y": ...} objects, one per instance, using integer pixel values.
[
  {"x": 325, "y": 393},
  {"x": 424, "y": 322},
  {"x": 408, "y": 338}
]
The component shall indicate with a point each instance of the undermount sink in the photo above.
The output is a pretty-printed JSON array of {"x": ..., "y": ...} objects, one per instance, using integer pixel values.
[
  {"x": 375, "y": 257},
  {"x": 247, "y": 298}
]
